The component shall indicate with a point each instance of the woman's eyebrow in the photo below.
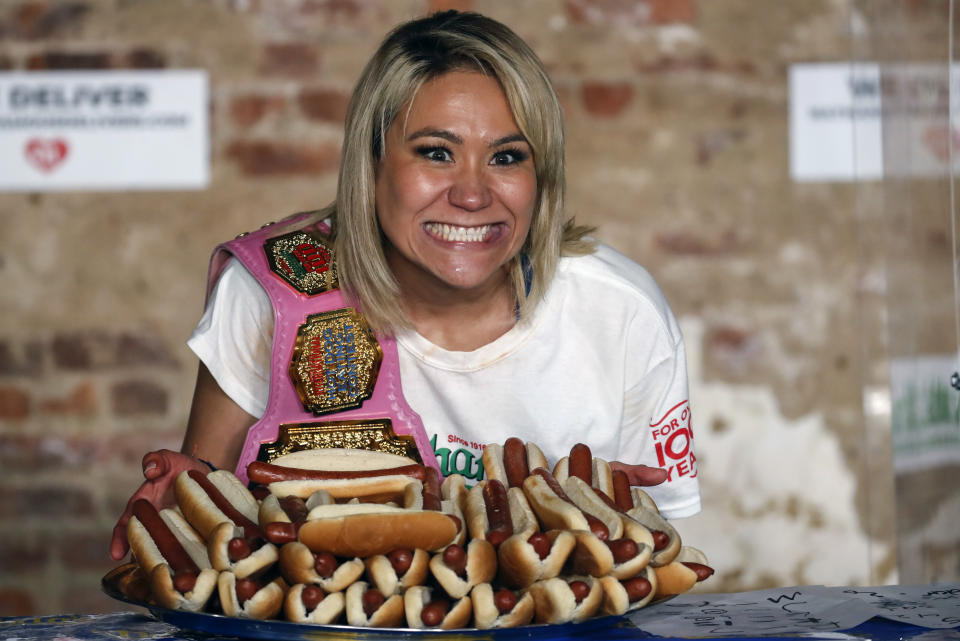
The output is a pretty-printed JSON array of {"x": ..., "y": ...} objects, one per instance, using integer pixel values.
[{"x": 429, "y": 132}]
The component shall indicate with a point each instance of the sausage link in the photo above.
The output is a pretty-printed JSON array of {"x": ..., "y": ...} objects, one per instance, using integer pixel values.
[
  {"x": 541, "y": 544},
  {"x": 580, "y": 590},
  {"x": 170, "y": 548},
  {"x": 279, "y": 532},
  {"x": 401, "y": 560},
  {"x": 434, "y": 612},
  {"x": 311, "y": 596},
  {"x": 499, "y": 523},
  {"x": 637, "y": 588},
  {"x": 660, "y": 539},
  {"x": 580, "y": 463},
  {"x": 372, "y": 600},
  {"x": 325, "y": 564},
  {"x": 267, "y": 473},
  {"x": 295, "y": 508},
  {"x": 505, "y": 600},
  {"x": 456, "y": 558},
  {"x": 515, "y": 461},
  {"x": 250, "y": 529},
  {"x": 621, "y": 491},
  {"x": 431, "y": 490},
  {"x": 623, "y": 550},
  {"x": 703, "y": 571},
  {"x": 596, "y": 525},
  {"x": 246, "y": 588}
]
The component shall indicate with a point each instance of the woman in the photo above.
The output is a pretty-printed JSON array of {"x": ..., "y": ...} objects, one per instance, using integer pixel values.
[{"x": 449, "y": 234}]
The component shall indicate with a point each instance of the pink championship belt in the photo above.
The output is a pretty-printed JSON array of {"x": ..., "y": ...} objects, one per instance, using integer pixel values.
[{"x": 333, "y": 381}]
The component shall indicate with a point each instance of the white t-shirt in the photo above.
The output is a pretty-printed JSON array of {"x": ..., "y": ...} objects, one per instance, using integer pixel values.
[{"x": 600, "y": 361}]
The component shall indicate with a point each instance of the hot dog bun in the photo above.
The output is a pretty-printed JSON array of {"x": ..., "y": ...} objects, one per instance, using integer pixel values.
[
  {"x": 617, "y": 596},
  {"x": 265, "y": 603},
  {"x": 676, "y": 577},
  {"x": 418, "y": 597},
  {"x": 367, "y": 529},
  {"x": 481, "y": 567},
  {"x": 201, "y": 511},
  {"x": 487, "y": 615},
  {"x": 298, "y": 565},
  {"x": 520, "y": 565},
  {"x": 389, "y": 615},
  {"x": 327, "y": 611},
  {"x": 381, "y": 572},
  {"x": 496, "y": 466},
  {"x": 157, "y": 569},
  {"x": 554, "y": 601},
  {"x": 342, "y": 459}
]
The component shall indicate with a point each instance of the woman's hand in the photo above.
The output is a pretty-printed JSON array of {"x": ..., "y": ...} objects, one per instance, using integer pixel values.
[
  {"x": 160, "y": 469},
  {"x": 641, "y": 474}
]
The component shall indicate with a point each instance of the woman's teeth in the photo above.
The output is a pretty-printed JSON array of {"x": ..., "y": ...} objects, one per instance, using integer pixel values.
[{"x": 452, "y": 233}]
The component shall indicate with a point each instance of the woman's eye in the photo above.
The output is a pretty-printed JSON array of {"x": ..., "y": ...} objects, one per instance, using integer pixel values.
[
  {"x": 509, "y": 157},
  {"x": 437, "y": 154}
]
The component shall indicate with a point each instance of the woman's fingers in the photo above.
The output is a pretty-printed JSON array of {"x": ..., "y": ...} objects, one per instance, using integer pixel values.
[{"x": 642, "y": 475}]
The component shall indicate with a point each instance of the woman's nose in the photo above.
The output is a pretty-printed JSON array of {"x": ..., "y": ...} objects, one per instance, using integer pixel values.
[{"x": 470, "y": 190}]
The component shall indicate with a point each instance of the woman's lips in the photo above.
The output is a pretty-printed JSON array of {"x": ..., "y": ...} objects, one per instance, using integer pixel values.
[{"x": 458, "y": 234}]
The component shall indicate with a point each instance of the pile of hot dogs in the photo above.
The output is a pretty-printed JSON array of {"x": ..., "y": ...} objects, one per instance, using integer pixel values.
[{"x": 375, "y": 540}]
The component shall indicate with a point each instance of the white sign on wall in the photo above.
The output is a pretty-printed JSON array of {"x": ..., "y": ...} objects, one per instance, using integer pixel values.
[
  {"x": 862, "y": 121},
  {"x": 104, "y": 130},
  {"x": 835, "y": 132}
]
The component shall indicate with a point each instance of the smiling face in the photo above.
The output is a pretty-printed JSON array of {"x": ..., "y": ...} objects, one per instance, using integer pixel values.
[{"x": 456, "y": 188}]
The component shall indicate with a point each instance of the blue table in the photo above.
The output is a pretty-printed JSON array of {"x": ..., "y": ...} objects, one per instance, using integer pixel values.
[{"x": 141, "y": 625}]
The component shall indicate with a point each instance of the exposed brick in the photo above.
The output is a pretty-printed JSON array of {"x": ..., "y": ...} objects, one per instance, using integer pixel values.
[
  {"x": 82, "y": 400},
  {"x": 289, "y": 59},
  {"x": 143, "y": 349},
  {"x": 6, "y": 63},
  {"x": 144, "y": 59},
  {"x": 43, "y": 19},
  {"x": 35, "y": 454},
  {"x": 69, "y": 60},
  {"x": 694, "y": 243},
  {"x": 20, "y": 553},
  {"x": 14, "y": 404},
  {"x": 80, "y": 598},
  {"x": 630, "y": 12},
  {"x": 672, "y": 11},
  {"x": 130, "y": 398},
  {"x": 95, "y": 349},
  {"x": 606, "y": 99},
  {"x": 263, "y": 158},
  {"x": 329, "y": 105},
  {"x": 443, "y": 5},
  {"x": 16, "y": 602},
  {"x": 21, "y": 360},
  {"x": 45, "y": 502},
  {"x": 248, "y": 110},
  {"x": 85, "y": 551}
]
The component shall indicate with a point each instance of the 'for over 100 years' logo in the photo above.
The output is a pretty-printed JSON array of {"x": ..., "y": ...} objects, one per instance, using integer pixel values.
[{"x": 673, "y": 442}]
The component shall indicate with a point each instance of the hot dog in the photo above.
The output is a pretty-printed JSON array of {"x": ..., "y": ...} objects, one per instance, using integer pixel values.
[
  {"x": 398, "y": 570},
  {"x": 427, "y": 607},
  {"x": 457, "y": 569},
  {"x": 249, "y": 597},
  {"x": 453, "y": 495},
  {"x": 581, "y": 463},
  {"x": 226, "y": 514},
  {"x": 281, "y": 518},
  {"x": 501, "y": 608},
  {"x": 367, "y": 607},
  {"x": 311, "y": 604},
  {"x": 370, "y": 485},
  {"x": 624, "y": 595},
  {"x": 563, "y": 599},
  {"x": 666, "y": 539},
  {"x": 495, "y": 513},
  {"x": 368, "y": 529},
  {"x": 505, "y": 519},
  {"x": 513, "y": 461},
  {"x": 680, "y": 575},
  {"x": 556, "y": 510},
  {"x": 172, "y": 556},
  {"x": 298, "y": 564},
  {"x": 630, "y": 542}
]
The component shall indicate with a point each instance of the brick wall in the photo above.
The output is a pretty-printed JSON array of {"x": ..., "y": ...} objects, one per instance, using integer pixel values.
[{"x": 676, "y": 121}]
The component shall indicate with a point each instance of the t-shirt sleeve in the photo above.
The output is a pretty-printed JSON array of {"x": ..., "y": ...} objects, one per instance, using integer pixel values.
[
  {"x": 657, "y": 419},
  {"x": 234, "y": 337}
]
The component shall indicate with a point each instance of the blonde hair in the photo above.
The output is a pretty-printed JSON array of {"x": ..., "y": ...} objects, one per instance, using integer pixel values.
[{"x": 412, "y": 54}]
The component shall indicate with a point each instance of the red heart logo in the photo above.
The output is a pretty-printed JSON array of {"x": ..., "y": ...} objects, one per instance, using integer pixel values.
[{"x": 46, "y": 154}]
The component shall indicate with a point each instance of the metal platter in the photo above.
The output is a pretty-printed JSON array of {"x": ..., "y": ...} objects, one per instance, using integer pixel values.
[{"x": 117, "y": 585}]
